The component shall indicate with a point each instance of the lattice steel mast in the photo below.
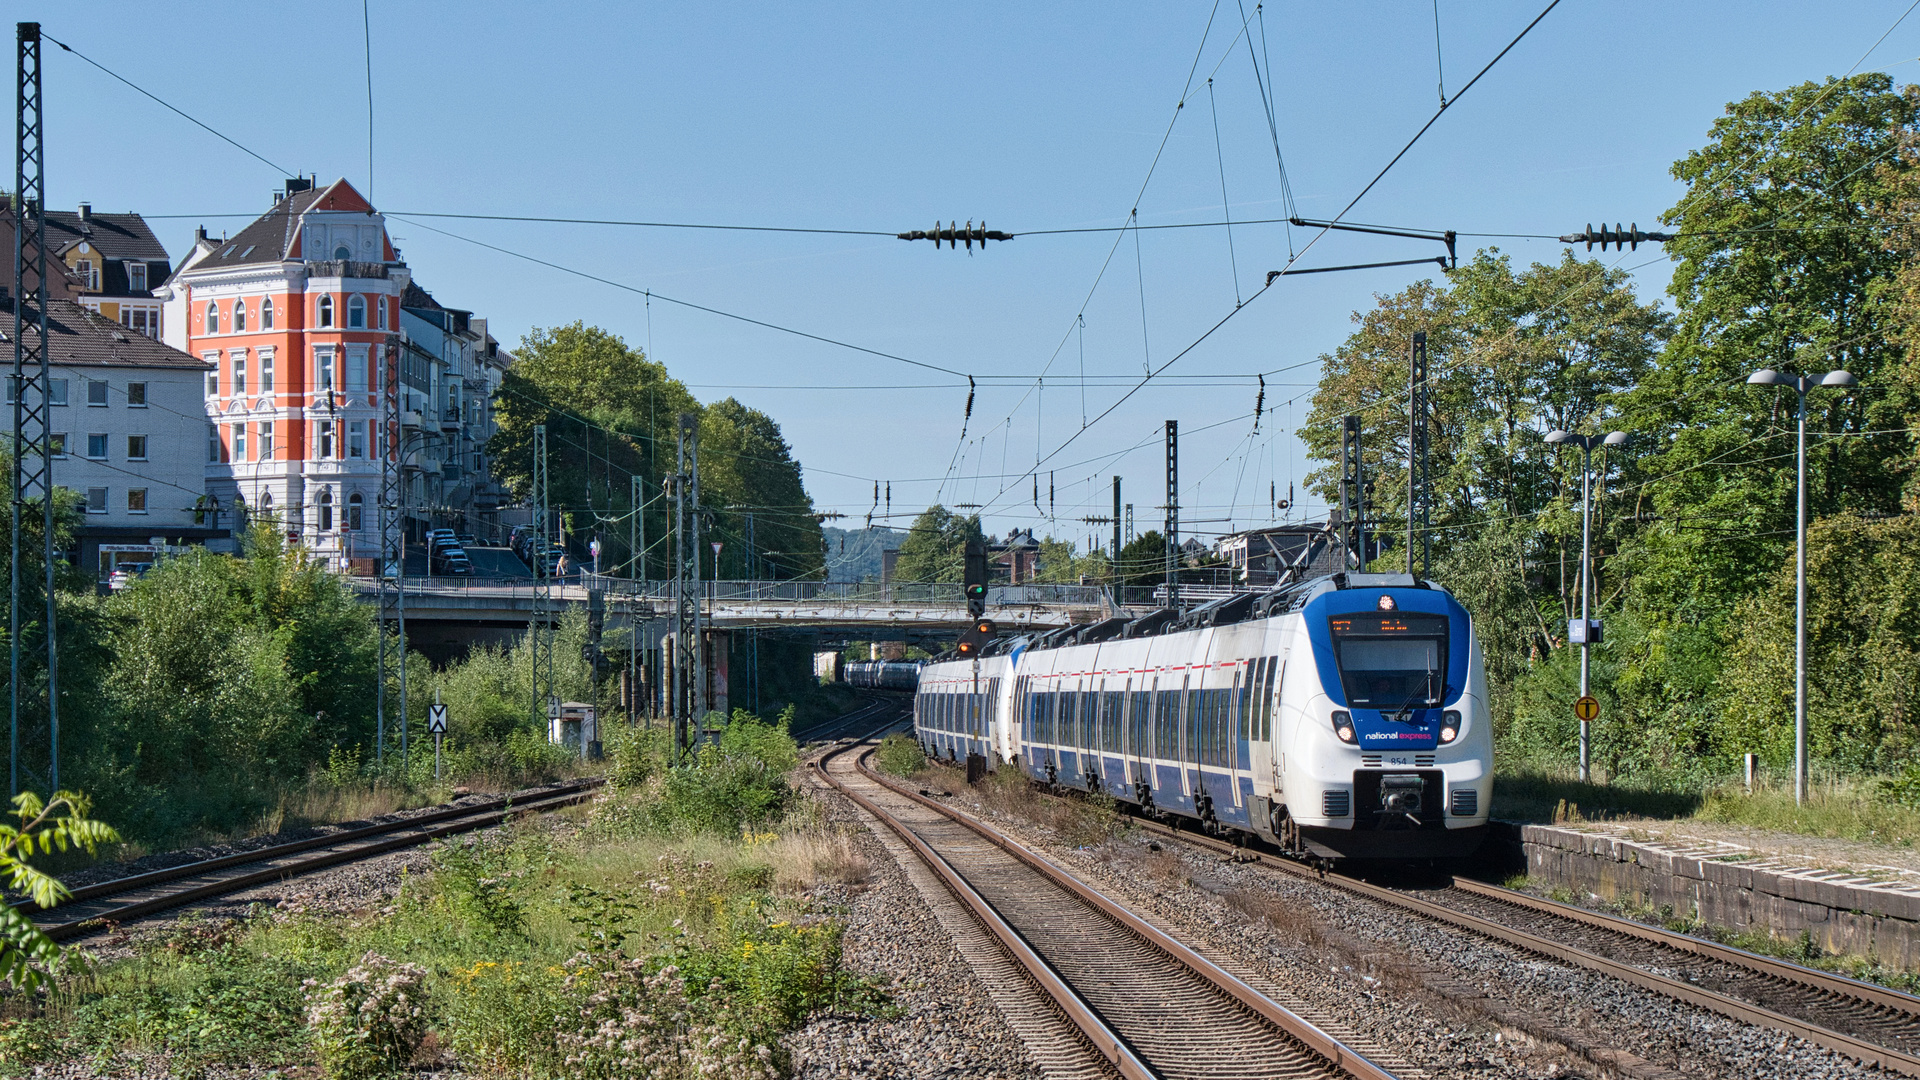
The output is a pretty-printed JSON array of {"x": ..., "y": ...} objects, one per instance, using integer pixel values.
[
  {"x": 539, "y": 630},
  {"x": 393, "y": 567},
  {"x": 32, "y": 449}
]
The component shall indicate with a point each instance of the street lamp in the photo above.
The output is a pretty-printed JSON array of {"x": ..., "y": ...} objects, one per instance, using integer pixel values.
[
  {"x": 1588, "y": 631},
  {"x": 1800, "y": 384}
]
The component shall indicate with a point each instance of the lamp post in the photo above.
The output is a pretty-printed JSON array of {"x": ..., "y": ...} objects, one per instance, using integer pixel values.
[
  {"x": 1586, "y": 443},
  {"x": 1800, "y": 384}
]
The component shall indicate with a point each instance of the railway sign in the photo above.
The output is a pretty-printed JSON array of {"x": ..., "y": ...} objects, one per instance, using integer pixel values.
[
  {"x": 437, "y": 718},
  {"x": 1587, "y": 708}
]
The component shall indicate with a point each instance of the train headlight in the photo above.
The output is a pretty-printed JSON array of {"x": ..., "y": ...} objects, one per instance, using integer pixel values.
[
  {"x": 1343, "y": 726},
  {"x": 1449, "y": 727}
]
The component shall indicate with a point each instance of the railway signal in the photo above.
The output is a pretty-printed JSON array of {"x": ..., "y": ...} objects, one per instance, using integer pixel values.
[
  {"x": 975, "y": 637},
  {"x": 974, "y": 575},
  {"x": 1627, "y": 239}
]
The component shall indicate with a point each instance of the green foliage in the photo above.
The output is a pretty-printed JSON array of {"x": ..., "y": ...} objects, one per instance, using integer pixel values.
[
  {"x": 199, "y": 995},
  {"x": 901, "y": 755},
  {"x": 936, "y": 546},
  {"x": 734, "y": 784},
  {"x": 478, "y": 882},
  {"x": 26, "y": 954},
  {"x": 609, "y": 410},
  {"x": 1143, "y": 561}
]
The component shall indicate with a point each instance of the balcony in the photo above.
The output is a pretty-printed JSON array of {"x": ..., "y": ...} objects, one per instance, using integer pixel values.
[
  {"x": 411, "y": 418},
  {"x": 346, "y": 268},
  {"x": 450, "y": 420}
]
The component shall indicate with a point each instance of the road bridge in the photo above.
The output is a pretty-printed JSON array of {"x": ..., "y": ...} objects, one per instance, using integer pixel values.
[{"x": 456, "y": 612}]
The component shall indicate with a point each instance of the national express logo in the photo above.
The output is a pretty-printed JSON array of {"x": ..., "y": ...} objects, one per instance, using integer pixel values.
[{"x": 1398, "y": 736}]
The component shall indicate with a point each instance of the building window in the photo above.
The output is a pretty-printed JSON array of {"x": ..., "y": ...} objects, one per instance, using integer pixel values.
[
  {"x": 57, "y": 444},
  {"x": 380, "y": 312},
  {"x": 97, "y": 392},
  {"x": 266, "y": 441},
  {"x": 266, "y": 313},
  {"x": 239, "y": 442},
  {"x": 56, "y": 391},
  {"x": 266, "y": 371},
  {"x": 136, "y": 395},
  {"x": 140, "y": 320},
  {"x": 216, "y": 450},
  {"x": 323, "y": 368},
  {"x": 137, "y": 276},
  {"x": 97, "y": 500},
  {"x": 355, "y": 504},
  {"x": 240, "y": 315},
  {"x": 356, "y": 439},
  {"x": 213, "y": 317},
  {"x": 239, "y": 362},
  {"x": 136, "y": 500},
  {"x": 213, "y": 373},
  {"x": 136, "y": 448},
  {"x": 326, "y": 510},
  {"x": 97, "y": 445},
  {"x": 326, "y": 440},
  {"x": 357, "y": 313},
  {"x": 343, "y": 253},
  {"x": 89, "y": 275},
  {"x": 325, "y": 309},
  {"x": 357, "y": 369}
]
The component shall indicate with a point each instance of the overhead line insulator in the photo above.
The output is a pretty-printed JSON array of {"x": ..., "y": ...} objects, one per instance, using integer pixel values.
[
  {"x": 956, "y": 234},
  {"x": 1624, "y": 239}
]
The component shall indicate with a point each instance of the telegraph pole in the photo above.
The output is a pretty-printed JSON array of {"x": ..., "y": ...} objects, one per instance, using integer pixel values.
[
  {"x": 690, "y": 423},
  {"x": 1116, "y": 521},
  {"x": 1353, "y": 528},
  {"x": 32, "y": 438},
  {"x": 636, "y": 568}
]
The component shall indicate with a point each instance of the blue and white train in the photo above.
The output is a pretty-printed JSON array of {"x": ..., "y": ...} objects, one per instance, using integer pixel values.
[{"x": 1344, "y": 717}]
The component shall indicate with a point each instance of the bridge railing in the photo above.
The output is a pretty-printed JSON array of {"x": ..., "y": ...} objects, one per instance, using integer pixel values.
[{"x": 862, "y": 592}]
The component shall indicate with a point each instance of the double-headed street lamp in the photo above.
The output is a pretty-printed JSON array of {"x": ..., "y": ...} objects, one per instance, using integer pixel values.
[
  {"x": 1800, "y": 384},
  {"x": 1586, "y": 632}
]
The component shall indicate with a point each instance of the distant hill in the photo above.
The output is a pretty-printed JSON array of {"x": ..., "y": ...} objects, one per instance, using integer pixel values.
[{"x": 854, "y": 554}]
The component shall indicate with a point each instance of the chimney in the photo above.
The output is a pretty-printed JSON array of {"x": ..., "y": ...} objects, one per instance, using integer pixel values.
[
  {"x": 199, "y": 233},
  {"x": 86, "y": 213},
  {"x": 298, "y": 184}
]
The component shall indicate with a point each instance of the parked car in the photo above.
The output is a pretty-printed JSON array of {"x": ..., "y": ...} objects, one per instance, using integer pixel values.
[
  {"x": 465, "y": 539},
  {"x": 443, "y": 557},
  {"x": 457, "y": 564}
]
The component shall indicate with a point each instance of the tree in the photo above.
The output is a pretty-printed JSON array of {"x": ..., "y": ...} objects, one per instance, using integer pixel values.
[
  {"x": 747, "y": 468},
  {"x": 936, "y": 546},
  {"x": 26, "y": 952},
  {"x": 1784, "y": 262},
  {"x": 1143, "y": 561}
]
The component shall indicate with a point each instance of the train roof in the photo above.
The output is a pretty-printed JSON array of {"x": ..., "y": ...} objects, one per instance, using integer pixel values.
[{"x": 1222, "y": 612}]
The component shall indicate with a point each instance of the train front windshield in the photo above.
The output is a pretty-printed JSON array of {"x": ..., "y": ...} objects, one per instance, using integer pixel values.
[{"x": 1391, "y": 660}]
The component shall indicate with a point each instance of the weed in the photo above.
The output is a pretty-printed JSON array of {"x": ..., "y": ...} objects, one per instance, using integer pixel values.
[
  {"x": 901, "y": 755},
  {"x": 368, "y": 1022},
  {"x": 477, "y": 882}
]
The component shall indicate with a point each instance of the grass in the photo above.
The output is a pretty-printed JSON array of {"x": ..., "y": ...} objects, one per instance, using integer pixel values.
[
  {"x": 547, "y": 948},
  {"x": 1836, "y": 808}
]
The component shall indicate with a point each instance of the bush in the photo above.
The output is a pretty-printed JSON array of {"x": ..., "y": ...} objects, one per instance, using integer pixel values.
[
  {"x": 477, "y": 883},
  {"x": 368, "y": 1022},
  {"x": 901, "y": 755}
]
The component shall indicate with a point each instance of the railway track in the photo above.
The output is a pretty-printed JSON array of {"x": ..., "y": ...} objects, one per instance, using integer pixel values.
[
  {"x": 1871, "y": 1024},
  {"x": 1144, "y": 1002},
  {"x": 93, "y": 907}
]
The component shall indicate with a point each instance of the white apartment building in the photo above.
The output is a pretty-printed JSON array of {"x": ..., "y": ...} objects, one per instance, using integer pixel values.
[{"x": 129, "y": 432}]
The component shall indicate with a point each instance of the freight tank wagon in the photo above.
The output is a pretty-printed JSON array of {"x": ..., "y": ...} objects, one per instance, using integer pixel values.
[{"x": 1344, "y": 717}]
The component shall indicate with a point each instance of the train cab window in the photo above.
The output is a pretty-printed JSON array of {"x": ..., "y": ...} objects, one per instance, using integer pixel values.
[{"x": 1391, "y": 660}]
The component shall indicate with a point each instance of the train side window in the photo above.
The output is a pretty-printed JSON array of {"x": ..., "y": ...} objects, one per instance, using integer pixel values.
[
  {"x": 1243, "y": 702},
  {"x": 1276, "y": 678}
]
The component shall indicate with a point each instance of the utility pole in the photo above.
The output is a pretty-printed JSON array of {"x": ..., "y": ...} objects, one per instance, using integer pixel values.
[
  {"x": 1418, "y": 496},
  {"x": 690, "y": 423},
  {"x": 393, "y": 547},
  {"x": 1586, "y": 631},
  {"x": 636, "y": 568},
  {"x": 539, "y": 631},
  {"x": 1116, "y": 521},
  {"x": 1173, "y": 514},
  {"x": 688, "y": 672},
  {"x": 32, "y": 433}
]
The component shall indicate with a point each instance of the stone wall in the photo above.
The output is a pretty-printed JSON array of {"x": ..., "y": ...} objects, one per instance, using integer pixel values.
[{"x": 1873, "y": 912}]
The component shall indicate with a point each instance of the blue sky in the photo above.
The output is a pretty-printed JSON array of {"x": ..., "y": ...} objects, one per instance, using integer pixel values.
[{"x": 890, "y": 117}]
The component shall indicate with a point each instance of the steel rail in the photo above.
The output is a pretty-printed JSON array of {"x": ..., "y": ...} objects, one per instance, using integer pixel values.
[
  {"x": 1861, "y": 1050},
  {"x": 1109, "y": 1043},
  {"x": 346, "y": 847}
]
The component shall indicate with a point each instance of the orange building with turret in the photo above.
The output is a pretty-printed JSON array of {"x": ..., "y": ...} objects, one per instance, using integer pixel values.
[{"x": 292, "y": 312}]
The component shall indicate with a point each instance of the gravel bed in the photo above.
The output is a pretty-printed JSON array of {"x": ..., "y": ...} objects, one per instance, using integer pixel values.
[
  {"x": 947, "y": 1023},
  {"x": 1442, "y": 1000}
]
